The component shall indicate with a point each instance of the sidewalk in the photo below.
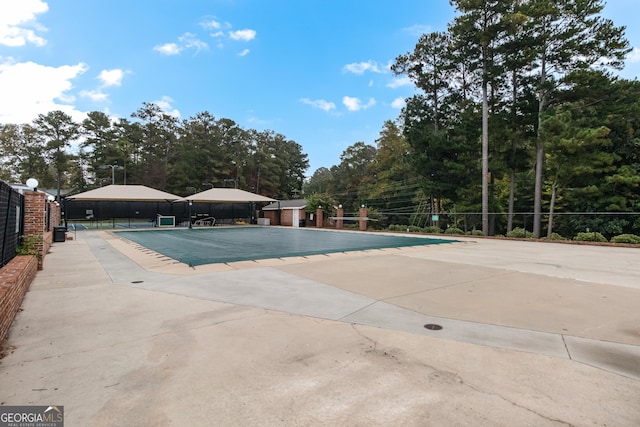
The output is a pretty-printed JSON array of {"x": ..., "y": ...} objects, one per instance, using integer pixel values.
[{"x": 533, "y": 334}]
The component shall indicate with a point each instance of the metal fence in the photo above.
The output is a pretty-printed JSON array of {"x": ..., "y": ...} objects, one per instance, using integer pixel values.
[
  {"x": 566, "y": 224},
  {"x": 11, "y": 222},
  {"x": 82, "y": 214}
]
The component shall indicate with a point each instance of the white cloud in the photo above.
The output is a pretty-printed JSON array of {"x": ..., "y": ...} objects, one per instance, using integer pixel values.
[
  {"x": 190, "y": 40},
  {"x": 94, "y": 95},
  {"x": 319, "y": 103},
  {"x": 17, "y": 18},
  {"x": 634, "y": 55},
  {"x": 214, "y": 24},
  {"x": 168, "y": 49},
  {"x": 355, "y": 104},
  {"x": 185, "y": 41},
  {"x": 244, "y": 52},
  {"x": 29, "y": 89},
  {"x": 165, "y": 105},
  {"x": 217, "y": 34},
  {"x": 211, "y": 25},
  {"x": 245, "y": 35},
  {"x": 402, "y": 81},
  {"x": 111, "y": 77},
  {"x": 362, "y": 67},
  {"x": 398, "y": 103}
]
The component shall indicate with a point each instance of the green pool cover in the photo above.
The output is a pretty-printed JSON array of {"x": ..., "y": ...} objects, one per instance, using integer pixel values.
[{"x": 218, "y": 245}]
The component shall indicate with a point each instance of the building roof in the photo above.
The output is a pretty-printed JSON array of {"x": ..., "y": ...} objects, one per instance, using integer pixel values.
[
  {"x": 286, "y": 204},
  {"x": 139, "y": 193},
  {"x": 228, "y": 195}
]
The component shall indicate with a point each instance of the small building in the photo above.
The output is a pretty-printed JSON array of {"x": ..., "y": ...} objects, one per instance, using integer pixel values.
[{"x": 290, "y": 213}]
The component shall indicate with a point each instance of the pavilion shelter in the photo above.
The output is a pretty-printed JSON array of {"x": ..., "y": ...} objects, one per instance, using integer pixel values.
[
  {"x": 223, "y": 206},
  {"x": 121, "y": 206}
]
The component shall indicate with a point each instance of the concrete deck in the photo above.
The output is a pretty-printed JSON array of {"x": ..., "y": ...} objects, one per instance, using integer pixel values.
[{"x": 533, "y": 334}]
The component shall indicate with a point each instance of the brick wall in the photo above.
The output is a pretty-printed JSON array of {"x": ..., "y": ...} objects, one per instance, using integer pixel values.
[
  {"x": 363, "y": 222},
  {"x": 319, "y": 218},
  {"x": 35, "y": 221},
  {"x": 17, "y": 275},
  {"x": 15, "y": 279},
  {"x": 273, "y": 216},
  {"x": 55, "y": 216},
  {"x": 34, "y": 212},
  {"x": 286, "y": 217}
]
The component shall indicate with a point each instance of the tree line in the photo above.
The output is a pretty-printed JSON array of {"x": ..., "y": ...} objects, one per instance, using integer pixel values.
[
  {"x": 517, "y": 111},
  {"x": 155, "y": 149}
]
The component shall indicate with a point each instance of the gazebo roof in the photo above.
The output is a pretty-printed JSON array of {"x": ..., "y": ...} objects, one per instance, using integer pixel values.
[
  {"x": 228, "y": 195},
  {"x": 138, "y": 193}
]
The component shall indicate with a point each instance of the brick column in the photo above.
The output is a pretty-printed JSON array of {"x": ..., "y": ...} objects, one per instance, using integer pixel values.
[
  {"x": 340, "y": 215},
  {"x": 34, "y": 212},
  {"x": 363, "y": 222},
  {"x": 55, "y": 217},
  {"x": 319, "y": 218},
  {"x": 35, "y": 221}
]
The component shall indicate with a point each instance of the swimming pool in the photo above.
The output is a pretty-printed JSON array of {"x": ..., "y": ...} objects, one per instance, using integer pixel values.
[{"x": 228, "y": 244}]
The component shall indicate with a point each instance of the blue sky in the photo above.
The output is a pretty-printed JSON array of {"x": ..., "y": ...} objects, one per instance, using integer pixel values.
[{"x": 316, "y": 71}]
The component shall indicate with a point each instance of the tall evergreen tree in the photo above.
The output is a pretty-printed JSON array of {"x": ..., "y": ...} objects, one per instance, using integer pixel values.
[
  {"x": 569, "y": 35},
  {"x": 481, "y": 26},
  {"x": 58, "y": 130}
]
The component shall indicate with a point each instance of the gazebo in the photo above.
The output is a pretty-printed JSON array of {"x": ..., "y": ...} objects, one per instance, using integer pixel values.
[
  {"x": 221, "y": 196},
  {"x": 124, "y": 205}
]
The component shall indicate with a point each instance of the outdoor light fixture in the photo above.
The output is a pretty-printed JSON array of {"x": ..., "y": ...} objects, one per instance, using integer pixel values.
[
  {"x": 32, "y": 183},
  {"x": 113, "y": 167},
  {"x": 235, "y": 182}
]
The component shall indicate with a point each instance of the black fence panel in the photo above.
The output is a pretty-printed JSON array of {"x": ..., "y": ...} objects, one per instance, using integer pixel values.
[
  {"x": 98, "y": 214},
  {"x": 11, "y": 222}
]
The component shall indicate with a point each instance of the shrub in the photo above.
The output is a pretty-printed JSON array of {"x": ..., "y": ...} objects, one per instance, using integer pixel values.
[
  {"x": 556, "y": 236},
  {"x": 432, "y": 229},
  {"x": 476, "y": 233},
  {"x": 404, "y": 228},
  {"x": 29, "y": 245},
  {"x": 626, "y": 238},
  {"x": 591, "y": 236},
  {"x": 520, "y": 233},
  {"x": 453, "y": 230}
]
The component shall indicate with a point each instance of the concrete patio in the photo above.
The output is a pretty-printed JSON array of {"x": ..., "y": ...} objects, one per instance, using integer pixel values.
[{"x": 532, "y": 334}]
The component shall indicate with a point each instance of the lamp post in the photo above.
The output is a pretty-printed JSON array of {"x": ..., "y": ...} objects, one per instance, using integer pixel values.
[
  {"x": 113, "y": 169},
  {"x": 190, "y": 203}
]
